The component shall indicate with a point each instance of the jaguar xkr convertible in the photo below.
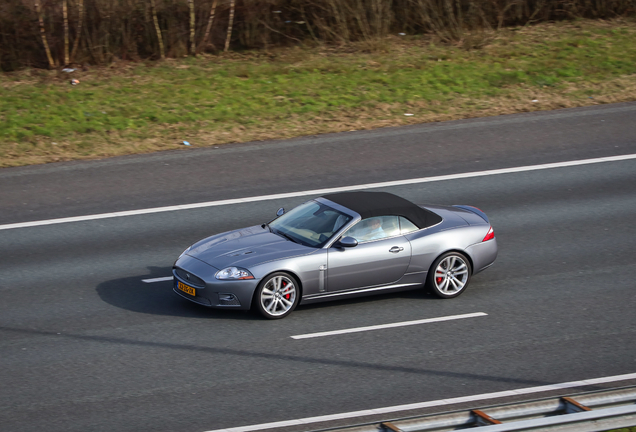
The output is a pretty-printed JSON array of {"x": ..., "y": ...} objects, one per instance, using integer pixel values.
[{"x": 334, "y": 247}]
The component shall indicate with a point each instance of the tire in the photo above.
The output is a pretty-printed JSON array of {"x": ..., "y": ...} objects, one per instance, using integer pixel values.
[
  {"x": 449, "y": 275},
  {"x": 277, "y": 295}
]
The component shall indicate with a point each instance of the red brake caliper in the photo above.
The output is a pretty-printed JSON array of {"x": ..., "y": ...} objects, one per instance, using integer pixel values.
[
  {"x": 287, "y": 296},
  {"x": 439, "y": 279}
]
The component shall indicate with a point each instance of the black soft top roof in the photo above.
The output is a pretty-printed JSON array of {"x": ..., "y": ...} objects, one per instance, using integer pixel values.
[{"x": 369, "y": 204}]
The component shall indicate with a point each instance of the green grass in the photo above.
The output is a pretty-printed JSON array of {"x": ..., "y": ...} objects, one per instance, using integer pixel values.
[{"x": 133, "y": 108}]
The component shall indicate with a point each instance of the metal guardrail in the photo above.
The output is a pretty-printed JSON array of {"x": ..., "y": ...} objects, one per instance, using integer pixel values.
[{"x": 583, "y": 412}]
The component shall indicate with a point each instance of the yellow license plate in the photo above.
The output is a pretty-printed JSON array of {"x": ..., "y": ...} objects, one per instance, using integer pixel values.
[{"x": 186, "y": 289}]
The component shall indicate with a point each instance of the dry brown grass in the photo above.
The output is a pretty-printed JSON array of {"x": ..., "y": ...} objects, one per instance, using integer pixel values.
[{"x": 518, "y": 100}]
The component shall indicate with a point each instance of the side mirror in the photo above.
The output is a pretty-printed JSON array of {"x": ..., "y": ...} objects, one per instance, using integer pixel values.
[
  {"x": 346, "y": 242},
  {"x": 280, "y": 212}
]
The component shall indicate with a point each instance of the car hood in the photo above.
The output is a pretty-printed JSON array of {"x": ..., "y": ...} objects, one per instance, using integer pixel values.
[{"x": 246, "y": 247}]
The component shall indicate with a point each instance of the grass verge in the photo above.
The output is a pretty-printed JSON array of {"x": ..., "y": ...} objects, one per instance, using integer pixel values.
[{"x": 136, "y": 108}]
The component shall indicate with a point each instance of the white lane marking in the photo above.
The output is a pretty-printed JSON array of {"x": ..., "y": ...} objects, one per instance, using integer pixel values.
[
  {"x": 384, "y": 326},
  {"x": 436, "y": 403},
  {"x": 161, "y": 279},
  {"x": 316, "y": 192}
]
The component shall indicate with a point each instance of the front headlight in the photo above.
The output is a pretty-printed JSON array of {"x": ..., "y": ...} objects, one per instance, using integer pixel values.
[{"x": 233, "y": 273}]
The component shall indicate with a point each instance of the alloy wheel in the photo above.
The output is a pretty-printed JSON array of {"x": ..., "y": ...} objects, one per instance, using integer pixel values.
[
  {"x": 452, "y": 273},
  {"x": 278, "y": 296}
]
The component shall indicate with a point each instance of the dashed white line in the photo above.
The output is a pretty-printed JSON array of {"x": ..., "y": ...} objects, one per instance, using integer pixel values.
[
  {"x": 161, "y": 279},
  {"x": 317, "y": 192},
  {"x": 436, "y": 403},
  {"x": 385, "y": 326}
]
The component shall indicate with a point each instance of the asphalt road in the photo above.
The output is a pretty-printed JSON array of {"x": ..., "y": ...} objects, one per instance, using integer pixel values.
[{"x": 86, "y": 345}]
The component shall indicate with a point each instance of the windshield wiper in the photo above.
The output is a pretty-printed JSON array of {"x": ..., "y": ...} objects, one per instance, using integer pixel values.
[
  {"x": 266, "y": 225},
  {"x": 280, "y": 233}
]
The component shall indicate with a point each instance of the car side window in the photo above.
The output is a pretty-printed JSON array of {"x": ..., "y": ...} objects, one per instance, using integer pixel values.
[
  {"x": 374, "y": 228},
  {"x": 406, "y": 226}
]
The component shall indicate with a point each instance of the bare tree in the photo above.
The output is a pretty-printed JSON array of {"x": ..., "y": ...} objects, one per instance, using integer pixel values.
[
  {"x": 79, "y": 29},
  {"x": 229, "y": 26},
  {"x": 193, "y": 50},
  {"x": 106, "y": 25},
  {"x": 61, "y": 32},
  {"x": 157, "y": 29},
  {"x": 65, "y": 16},
  {"x": 209, "y": 26},
  {"x": 43, "y": 34}
]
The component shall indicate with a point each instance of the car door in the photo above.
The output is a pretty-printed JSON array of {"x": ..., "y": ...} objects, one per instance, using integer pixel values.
[{"x": 378, "y": 259}]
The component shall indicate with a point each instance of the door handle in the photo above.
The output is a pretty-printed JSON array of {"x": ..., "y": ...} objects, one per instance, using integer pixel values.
[{"x": 396, "y": 249}]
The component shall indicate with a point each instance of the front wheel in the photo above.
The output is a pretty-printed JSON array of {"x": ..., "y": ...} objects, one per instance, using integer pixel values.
[
  {"x": 277, "y": 295},
  {"x": 449, "y": 275}
]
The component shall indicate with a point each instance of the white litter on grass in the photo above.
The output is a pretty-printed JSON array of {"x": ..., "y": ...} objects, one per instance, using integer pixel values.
[
  {"x": 408, "y": 114},
  {"x": 186, "y": 143},
  {"x": 535, "y": 100},
  {"x": 402, "y": 34}
]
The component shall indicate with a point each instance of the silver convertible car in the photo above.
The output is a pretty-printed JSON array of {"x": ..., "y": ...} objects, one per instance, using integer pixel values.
[{"x": 334, "y": 247}]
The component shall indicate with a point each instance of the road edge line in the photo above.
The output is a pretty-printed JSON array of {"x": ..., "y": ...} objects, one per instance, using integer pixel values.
[
  {"x": 317, "y": 192},
  {"x": 436, "y": 403}
]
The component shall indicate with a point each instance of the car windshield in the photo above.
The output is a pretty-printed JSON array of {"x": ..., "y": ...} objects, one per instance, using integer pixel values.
[{"x": 310, "y": 224}]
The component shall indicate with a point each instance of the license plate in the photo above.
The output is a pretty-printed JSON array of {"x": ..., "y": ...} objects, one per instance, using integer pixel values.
[{"x": 186, "y": 289}]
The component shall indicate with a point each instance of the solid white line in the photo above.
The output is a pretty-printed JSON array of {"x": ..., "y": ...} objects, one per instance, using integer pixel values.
[
  {"x": 317, "y": 192},
  {"x": 437, "y": 403},
  {"x": 392, "y": 325},
  {"x": 161, "y": 279}
]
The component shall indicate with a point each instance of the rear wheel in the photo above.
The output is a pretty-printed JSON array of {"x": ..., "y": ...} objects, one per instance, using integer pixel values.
[
  {"x": 277, "y": 295},
  {"x": 449, "y": 275}
]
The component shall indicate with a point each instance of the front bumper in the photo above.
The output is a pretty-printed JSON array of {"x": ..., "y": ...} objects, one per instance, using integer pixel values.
[{"x": 209, "y": 291}]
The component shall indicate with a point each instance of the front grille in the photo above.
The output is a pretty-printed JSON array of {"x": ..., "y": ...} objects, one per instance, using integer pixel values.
[
  {"x": 189, "y": 278},
  {"x": 197, "y": 299}
]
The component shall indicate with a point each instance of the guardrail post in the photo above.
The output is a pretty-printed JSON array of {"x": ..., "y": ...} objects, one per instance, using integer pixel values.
[
  {"x": 390, "y": 427},
  {"x": 572, "y": 406},
  {"x": 483, "y": 419}
]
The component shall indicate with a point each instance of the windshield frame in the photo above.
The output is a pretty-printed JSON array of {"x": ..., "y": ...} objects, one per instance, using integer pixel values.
[{"x": 353, "y": 218}]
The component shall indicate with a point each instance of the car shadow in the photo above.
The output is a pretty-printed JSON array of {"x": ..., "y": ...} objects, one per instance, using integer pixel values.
[
  {"x": 157, "y": 298},
  {"x": 415, "y": 294}
]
